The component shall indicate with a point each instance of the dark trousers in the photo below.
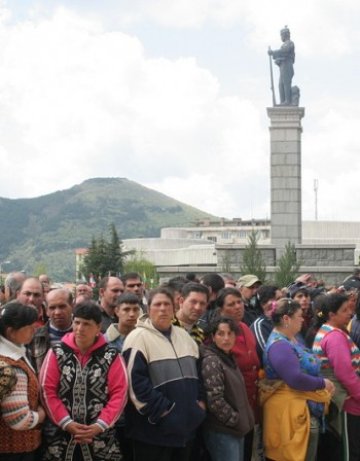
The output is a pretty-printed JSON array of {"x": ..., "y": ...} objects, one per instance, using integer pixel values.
[
  {"x": 126, "y": 445},
  {"x": 353, "y": 430},
  {"x": 248, "y": 445},
  {"x": 146, "y": 452}
]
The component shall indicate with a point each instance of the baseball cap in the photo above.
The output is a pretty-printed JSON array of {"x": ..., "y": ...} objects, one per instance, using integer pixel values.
[{"x": 249, "y": 280}]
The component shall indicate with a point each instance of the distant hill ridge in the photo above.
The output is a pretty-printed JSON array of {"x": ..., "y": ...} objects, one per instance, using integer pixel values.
[{"x": 44, "y": 231}]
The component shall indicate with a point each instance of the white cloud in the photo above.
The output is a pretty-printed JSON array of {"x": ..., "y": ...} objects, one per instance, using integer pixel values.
[
  {"x": 89, "y": 103},
  {"x": 78, "y": 100}
]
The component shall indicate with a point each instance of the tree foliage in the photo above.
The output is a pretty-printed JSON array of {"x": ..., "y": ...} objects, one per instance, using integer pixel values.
[
  {"x": 104, "y": 257},
  {"x": 138, "y": 263},
  {"x": 288, "y": 266},
  {"x": 253, "y": 262}
]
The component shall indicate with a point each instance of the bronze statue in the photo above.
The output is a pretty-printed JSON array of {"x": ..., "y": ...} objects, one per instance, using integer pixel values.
[{"x": 285, "y": 58}]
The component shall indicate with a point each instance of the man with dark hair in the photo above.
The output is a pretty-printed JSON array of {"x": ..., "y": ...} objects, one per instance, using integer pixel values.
[
  {"x": 110, "y": 288},
  {"x": 133, "y": 283},
  {"x": 31, "y": 293},
  {"x": 262, "y": 327},
  {"x": 193, "y": 301},
  {"x": 59, "y": 309},
  {"x": 214, "y": 283},
  {"x": 175, "y": 285},
  {"x": 127, "y": 312}
]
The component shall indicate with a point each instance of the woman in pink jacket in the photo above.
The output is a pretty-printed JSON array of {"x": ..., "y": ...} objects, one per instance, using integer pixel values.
[
  {"x": 84, "y": 390},
  {"x": 340, "y": 361}
]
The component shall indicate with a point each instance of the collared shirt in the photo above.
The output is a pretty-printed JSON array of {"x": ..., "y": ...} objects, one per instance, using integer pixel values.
[
  {"x": 195, "y": 331},
  {"x": 14, "y": 351}
]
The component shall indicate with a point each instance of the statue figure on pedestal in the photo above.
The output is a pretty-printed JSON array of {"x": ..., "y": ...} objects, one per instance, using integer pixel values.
[{"x": 284, "y": 57}]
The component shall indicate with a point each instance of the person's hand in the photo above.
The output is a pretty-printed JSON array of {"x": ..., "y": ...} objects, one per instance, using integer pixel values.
[
  {"x": 304, "y": 278},
  {"x": 201, "y": 404},
  {"x": 76, "y": 429},
  {"x": 88, "y": 434},
  {"x": 329, "y": 386},
  {"x": 41, "y": 412}
]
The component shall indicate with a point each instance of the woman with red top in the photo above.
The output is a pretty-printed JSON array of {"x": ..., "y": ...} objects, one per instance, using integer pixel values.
[{"x": 231, "y": 305}]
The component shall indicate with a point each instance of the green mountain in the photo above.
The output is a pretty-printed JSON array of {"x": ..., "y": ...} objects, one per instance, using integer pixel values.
[{"x": 42, "y": 233}]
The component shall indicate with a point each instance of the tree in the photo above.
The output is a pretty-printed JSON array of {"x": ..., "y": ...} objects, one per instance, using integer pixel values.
[
  {"x": 115, "y": 253},
  {"x": 253, "y": 262},
  {"x": 226, "y": 261},
  {"x": 40, "y": 268},
  {"x": 138, "y": 263},
  {"x": 288, "y": 267},
  {"x": 104, "y": 257}
]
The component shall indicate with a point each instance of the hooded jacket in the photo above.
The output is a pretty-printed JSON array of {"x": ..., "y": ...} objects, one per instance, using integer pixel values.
[{"x": 163, "y": 385}]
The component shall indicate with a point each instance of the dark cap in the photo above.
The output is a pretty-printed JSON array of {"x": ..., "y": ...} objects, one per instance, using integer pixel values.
[{"x": 295, "y": 288}]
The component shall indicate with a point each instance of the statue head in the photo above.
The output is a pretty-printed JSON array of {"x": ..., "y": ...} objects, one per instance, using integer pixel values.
[{"x": 285, "y": 33}]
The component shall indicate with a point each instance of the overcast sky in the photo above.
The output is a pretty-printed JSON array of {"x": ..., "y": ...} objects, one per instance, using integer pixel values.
[{"x": 173, "y": 94}]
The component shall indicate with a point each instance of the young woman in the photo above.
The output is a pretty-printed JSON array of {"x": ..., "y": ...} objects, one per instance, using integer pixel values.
[
  {"x": 231, "y": 305},
  {"x": 84, "y": 386},
  {"x": 340, "y": 360},
  {"x": 229, "y": 414},
  {"x": 21, "y": 413},
  {"x": 289, "y": 431}
]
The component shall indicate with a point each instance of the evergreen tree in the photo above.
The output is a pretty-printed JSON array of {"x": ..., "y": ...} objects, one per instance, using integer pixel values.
[
  {"x": 288, "y": 267},
  {"x": 253, "y": 262},
  {"x": 115, "y": 253},
  {"x": 104, "y": 257}
]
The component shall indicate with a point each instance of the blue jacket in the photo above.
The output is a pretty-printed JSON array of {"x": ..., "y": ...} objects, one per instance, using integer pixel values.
[{"x": 163, "y": 385}]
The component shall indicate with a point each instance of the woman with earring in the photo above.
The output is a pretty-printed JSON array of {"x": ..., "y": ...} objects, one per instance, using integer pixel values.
[
  {"x": 84, "y": 387},
  {"x": 293, "y": 390}
]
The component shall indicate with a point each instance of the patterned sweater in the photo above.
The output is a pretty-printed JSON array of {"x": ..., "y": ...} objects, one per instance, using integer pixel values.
[
  {"x": 19, "y": 417},
  {"x": 336, "y": 350}
]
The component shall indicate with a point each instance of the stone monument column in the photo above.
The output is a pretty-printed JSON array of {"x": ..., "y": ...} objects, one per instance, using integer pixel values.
[{"x": 285, "y": 142}]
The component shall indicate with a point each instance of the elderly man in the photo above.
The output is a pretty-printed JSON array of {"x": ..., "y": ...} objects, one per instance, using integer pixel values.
[
  {"x": 13, "y": 283},
  {"x": 165, "y": 407},
  {"x": 59, "y": 308},
  {"x": 83, "y": 292}
]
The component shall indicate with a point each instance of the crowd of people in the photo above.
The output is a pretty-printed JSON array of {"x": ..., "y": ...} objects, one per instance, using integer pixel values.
[{"x": 197, "y": 369}]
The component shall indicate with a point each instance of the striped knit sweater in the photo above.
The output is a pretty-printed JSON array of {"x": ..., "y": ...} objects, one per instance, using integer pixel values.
[
  {"x": 18, "y": 410},
  {"x": 336, "y": 350}
]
